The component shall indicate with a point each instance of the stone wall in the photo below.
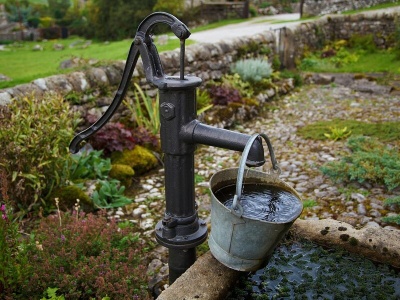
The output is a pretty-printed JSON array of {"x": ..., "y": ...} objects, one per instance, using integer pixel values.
[
  {"x": 210, "y": 61},
  {"x": 207, "y": 61},
  {"x": 323, "y": 7}
]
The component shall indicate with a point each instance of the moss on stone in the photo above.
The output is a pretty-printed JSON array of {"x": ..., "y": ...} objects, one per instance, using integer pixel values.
[
  {"x": 67, "y": 196},
  {"x": 139, "y": 158},
  {"x": 123, "y": 173}
]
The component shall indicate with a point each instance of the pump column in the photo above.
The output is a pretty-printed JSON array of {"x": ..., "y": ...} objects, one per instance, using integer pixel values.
[{"x": 180, "y": 230}]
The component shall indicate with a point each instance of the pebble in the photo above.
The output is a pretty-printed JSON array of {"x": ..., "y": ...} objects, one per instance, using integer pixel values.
[
  {"x": 137, "y": 212},
  {"x": 120, "y": 213},
  {"x": 358, "y": 197},
  {"x": 372, "y": 224},
  {"x": 361, "y": 209}
]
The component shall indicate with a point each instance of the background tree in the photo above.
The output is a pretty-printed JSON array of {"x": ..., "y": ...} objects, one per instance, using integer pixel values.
[
  {"x": 58, "y": 8},
  {"x": 175, "y": 7},
  {"x": 115, "y": 20}
]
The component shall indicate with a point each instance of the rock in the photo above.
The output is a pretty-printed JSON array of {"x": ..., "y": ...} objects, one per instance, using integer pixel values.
[
  {"x": 322, "y": 78},
  {"x": 58, "y": 47},
  {"x": 137, "y": 212},
  {"x": 361, "y": 209},
  {"x": 37, "y": 47},
  {"x": 5, "y": 98},
  {"x": 162, "y": 39},
  {"x": 372, "y": 242},
  {"x": 4, "y": 78},
  {"x": 358, "y": 197}
]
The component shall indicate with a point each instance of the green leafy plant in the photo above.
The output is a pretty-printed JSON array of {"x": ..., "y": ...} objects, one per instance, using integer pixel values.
[
  {"x": 34, "y": 138},
  {"x": 145, "y": 110},
  {"x": 203, "y": 101},
  {"x": 234, "y": 81},
  {"x": 51, "y": 294},
  {"x": 252, "y": 70},
  {"x": 110, "y": 194},
  {"x": 337, "y": 133},
  {"x": 369, "y": 160},
  {"x": 89, "y": 165}
]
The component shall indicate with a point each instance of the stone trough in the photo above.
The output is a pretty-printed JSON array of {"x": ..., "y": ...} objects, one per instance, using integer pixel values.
[{"x": 213, "y": 281}]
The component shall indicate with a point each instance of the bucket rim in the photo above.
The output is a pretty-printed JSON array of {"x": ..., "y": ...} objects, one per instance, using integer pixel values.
[{"x": 287, "y": 187}]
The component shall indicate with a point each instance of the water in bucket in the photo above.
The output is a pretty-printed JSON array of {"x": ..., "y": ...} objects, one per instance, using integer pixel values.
[{"x": 262, "y": 202}]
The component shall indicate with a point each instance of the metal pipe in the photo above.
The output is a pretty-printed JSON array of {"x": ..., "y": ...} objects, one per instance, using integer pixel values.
[{"x": 198, "y": 133}]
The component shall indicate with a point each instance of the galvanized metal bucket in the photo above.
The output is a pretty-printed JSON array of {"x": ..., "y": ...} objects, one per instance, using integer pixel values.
[{"x": 239, "y": 242}]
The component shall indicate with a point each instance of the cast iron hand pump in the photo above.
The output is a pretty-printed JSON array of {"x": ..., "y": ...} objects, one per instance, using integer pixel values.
[{"x": 180, "y": 230}]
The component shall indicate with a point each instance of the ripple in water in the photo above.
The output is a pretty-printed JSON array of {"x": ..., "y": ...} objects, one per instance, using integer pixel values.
[{"x": 262, "y": 202}]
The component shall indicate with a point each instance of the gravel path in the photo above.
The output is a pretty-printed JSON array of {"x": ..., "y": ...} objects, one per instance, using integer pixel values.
[{"x": 299, "y": 159}]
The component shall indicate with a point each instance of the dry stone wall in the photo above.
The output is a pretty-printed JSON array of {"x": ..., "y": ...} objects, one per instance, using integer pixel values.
[
  {"x": 207, "y": 61},
  {"x": 211, "y": 61},
  {"x": 323, "y": 7}
]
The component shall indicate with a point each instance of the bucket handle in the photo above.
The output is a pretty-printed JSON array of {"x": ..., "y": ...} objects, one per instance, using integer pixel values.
[{"x": 237, "y": 209}]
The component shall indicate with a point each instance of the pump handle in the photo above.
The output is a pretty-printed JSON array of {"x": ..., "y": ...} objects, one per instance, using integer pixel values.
[{"x": 143, "y": 45}]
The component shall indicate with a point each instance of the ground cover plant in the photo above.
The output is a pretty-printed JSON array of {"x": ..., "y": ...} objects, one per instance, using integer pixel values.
[
  {"x": 81, "y": 256},
  {"x": 369, "y": 160},
  {"x": 372, "y": 154}
]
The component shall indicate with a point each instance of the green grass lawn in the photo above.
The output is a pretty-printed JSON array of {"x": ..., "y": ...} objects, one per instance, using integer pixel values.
[
  {"x": 23, "y": 65},
  {"x": 377, "y": 62}
]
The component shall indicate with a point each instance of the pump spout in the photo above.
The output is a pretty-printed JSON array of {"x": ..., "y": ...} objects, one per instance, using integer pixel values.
[{"x": 197, "y": 133}]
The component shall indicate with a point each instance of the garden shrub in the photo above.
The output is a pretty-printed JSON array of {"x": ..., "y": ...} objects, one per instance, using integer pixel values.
[
  {"x": 118, "y": 137},
  {"x": 34, "y": 138},
  {"x": 222, "y": 95},
  {"x": 13, "y": 264},
  {"x": 234, "y": 81},
  {"x": 369, "y": 160},
  {"x": 86, "y": 257},
  {"x": 252, "y": 70},
  {"x": 363, "y": 42},
  {"x": 112, "y": 137}
]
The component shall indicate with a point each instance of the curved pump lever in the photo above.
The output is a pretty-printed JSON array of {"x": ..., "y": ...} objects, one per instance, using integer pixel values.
[{"x": 143, "y": 45}]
